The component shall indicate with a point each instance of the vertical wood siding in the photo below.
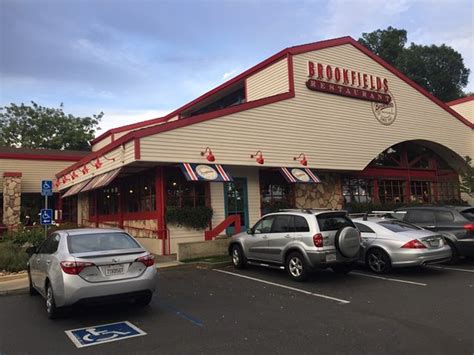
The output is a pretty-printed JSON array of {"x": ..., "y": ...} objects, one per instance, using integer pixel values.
[{"x": 268, "y": 82}]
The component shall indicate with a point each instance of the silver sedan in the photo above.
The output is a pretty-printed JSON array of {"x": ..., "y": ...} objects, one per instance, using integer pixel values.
[
  {"x": 388, "y": 243},
  {"x": 90, "y": 265}
]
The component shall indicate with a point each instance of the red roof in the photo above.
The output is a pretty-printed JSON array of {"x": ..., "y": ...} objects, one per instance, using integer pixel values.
[{"x": 460, "y": 101}]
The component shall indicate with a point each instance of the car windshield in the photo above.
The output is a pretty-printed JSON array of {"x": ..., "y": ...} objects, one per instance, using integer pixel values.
[
  {"x": 84, "y": 243},
  {"x": 398, "y": 226},
  {"x": 333, "y": 222}
]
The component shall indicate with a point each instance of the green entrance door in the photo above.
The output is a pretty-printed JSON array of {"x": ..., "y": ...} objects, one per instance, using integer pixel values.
[{"x": 236, "y": 202}]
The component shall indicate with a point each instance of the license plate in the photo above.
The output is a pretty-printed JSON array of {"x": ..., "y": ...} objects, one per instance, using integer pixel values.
[
  {"x": 330, "y": 257},
  {"x": 113, "y": 270},
  {"x": 434, "y": 243}
]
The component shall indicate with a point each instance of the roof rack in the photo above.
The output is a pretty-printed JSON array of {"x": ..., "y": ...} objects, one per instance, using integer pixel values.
[
  {"x": 308, "y": 210},
  {"x": 365, "y": 215}
]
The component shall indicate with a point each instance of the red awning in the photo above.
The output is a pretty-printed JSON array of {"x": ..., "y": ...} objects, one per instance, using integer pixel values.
[
  {"x": 76, "y": 188},
  {"x": 299, "y": 175},
  {"x": 101, "y": 180}
]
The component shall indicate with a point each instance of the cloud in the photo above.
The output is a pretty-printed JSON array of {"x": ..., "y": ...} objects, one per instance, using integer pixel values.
[
  {"x": 229, "y": 74},
  {"x": 113, "y": 118}
]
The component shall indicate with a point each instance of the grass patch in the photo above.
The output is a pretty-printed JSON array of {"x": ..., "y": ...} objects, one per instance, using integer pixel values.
[
  {"x": 209, "y": 259},
  {"x": 13, "y": 257}
]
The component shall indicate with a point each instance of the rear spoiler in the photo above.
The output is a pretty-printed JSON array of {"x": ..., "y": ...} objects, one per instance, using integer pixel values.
[{"x": 95, "y": 254}]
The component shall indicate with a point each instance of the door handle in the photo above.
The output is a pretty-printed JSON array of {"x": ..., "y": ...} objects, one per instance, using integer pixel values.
[
  {"x": 264, "y": 237},
  {"x": 38, "y": 260},
  {"x": 48, "y": 262},
  {"x": 287, "y": 236}
]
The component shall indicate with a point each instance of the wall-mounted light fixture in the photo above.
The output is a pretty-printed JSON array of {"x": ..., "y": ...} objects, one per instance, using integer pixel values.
[
  {"x": 258, "y": 157},
  {"x": 208, "y": 154},
  {"x": 302, "y": 159}
]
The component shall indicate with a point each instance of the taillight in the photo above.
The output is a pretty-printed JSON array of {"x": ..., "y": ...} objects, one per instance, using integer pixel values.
[
  {"x": 318, "y": 240},
  {"x": 414, "y": 244},
  {"x": 74, "y": 267},
  {"x": 469, "y": 227},
  {"x": 147, "y": 260}
]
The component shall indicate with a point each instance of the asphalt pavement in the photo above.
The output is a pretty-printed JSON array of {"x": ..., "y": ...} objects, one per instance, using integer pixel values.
[{"x": 413, "y": 311}]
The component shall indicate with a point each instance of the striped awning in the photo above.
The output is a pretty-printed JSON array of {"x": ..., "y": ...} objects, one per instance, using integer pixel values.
[
  {"x": 76, "y": 188},
  {"x": 101, "y": 180},
  {"x": 299, "y": 175},
  {"x": 205, "y": 172}
]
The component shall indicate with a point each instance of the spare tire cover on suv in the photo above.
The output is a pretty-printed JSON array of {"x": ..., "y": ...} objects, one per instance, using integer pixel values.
[{"x": 347, "y": 242}]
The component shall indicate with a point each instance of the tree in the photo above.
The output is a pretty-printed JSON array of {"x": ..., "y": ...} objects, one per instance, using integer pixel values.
[
  {"x": 439, "y": 69},
  {"x": 36, "y": 126},
  {"x": 387, "y": 44},
  {"x": 467, "y": 177}
]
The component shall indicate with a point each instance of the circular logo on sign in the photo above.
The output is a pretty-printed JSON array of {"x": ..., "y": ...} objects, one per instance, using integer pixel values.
[
  {"x": 207, "y": 172},
  {"x": 385, "y": 113},
  {"x": 300, "y": 175}
]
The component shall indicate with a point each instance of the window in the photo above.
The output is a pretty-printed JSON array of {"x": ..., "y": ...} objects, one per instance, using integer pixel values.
[
  {"x": 264, "y": 225},
  {"x": 92, "y": 203},
  {"x": 357, "y": 190},
  {"x": 275, "y": 192},
  {"x": 139, "y": 192},
  {"x": 235, "y": 97},
  {"x": 50, "y": 245},
  {"x": 108, "y": 200},
  {"x": 301, "y": 225},
  {"x": 69, "y": 208},
  {"x": 333, "y": 222},
  {"x": 389, "y": 158},
  {"x": 420, "y": 216},
  {"x": 448, "y": 191},
  {"x": 420, "y": 191},
  {"x": 398, "y": 226},
  {"x": 468, "y": 214},
  {"x": 391, "y": 191},
  {"x": 84, "y": 243},
  {"x": 282, "y": 224},
  {"x": 183, "y": 193},
  {"x": 444, "y": 216},
  {"x": 363, "y": 228}
]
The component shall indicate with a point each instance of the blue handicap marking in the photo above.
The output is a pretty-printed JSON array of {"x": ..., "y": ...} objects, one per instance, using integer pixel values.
[
  {"x": 47, "y": 188},
  {"x": 46, "y": 216},
  {"x": 105, "y": 333}
]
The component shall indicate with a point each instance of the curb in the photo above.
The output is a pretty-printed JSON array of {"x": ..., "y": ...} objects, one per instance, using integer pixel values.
[
  {"x": 16, "y": 291},
  {"x": 13, "y": 277}
]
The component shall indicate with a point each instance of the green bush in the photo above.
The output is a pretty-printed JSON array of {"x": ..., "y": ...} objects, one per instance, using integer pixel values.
[
  {"x": 191, "y": 217},
  {"x": 30, "y": 235},
  {"x": 13, "y": 257}
]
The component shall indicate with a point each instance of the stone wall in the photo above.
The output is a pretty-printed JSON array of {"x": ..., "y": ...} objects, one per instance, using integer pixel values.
[
  {"x": 11, "y": 199},
  {"x": 327, "y": 194},
  {"x": 83, "y": 210}
]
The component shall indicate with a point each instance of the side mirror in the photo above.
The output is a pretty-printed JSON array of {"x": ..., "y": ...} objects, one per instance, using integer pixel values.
[
  {"x": 31, "y": 250},
  {"x": 250, "y": 231}
]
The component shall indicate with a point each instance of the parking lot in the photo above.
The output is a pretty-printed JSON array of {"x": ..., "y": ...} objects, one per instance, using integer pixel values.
[{"x": 423, "y": 310}]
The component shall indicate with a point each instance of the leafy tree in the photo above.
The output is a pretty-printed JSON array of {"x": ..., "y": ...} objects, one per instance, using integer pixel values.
[
  {"x": 387, "y": 44},
  {"x": 467, "y": 177},
  {"x": 36, "y": 126},
  {"x": 439, "y": 69}
]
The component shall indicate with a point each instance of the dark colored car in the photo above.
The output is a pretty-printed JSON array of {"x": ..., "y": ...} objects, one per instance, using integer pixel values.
[{"x": 455, "y": 223}]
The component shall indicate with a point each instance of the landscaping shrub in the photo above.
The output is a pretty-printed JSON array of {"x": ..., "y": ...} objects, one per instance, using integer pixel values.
[
  {"x": 191, "y": 217},
  {"x": 26, "y": 236},
  {"x": 13, "y": 257}
]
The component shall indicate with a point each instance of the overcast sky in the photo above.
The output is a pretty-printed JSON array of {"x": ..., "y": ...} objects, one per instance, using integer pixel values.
[{"x": 138, "y": 60}]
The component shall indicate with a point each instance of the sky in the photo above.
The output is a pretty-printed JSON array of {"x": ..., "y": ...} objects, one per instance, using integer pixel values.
[{"x": 136, "y": 60}]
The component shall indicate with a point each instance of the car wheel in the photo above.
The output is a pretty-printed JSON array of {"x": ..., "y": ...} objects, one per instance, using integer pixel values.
[
  {"x": 378, "y": 261},
  {"x": 238, "y": 257},
  {"x": 32, "y": 289},
  {"x": 296, "y": 267},
  {"x": 454, "y": 254},
  {"x": 342, "y": 269},
  {"x": 51, "y": 308},
  {"x": 144, "y": 301}
]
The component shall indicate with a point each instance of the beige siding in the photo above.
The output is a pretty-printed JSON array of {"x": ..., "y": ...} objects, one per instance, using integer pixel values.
[
  {"x": 335, "y": 133},
  {"x": 183, "y": 235},
  {"x": 268, "y": 82},
  {"x": 123, "y": 155},
  {"x": 101, "y": 144},
  {"x": 33, "y": 171},
  {"x": 465, "y": 109}
]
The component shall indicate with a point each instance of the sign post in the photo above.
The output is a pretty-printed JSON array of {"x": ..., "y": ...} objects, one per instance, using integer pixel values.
[{"x": 46, "y": 214}]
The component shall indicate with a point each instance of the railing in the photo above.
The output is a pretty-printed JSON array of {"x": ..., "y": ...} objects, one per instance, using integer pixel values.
[{"x": 231, "y": 220}]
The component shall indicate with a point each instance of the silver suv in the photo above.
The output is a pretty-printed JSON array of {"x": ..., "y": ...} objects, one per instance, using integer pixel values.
[{"x": 299, "y": 241}]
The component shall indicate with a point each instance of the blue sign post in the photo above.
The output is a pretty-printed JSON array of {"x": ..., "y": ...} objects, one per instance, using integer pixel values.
[
  {"x": 46, "y": 188},
  {"x": 46, "y": 216}
]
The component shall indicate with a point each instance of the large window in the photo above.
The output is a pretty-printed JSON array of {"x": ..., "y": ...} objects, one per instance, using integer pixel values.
[
  {"x": 392, "y": 191},
  {"x": 275, "y": 192},
  {"x": 69, "y": 208},
  {"x": 420, "y": 191},
  {"x": 183, "y": 193},
  {"x": 448, "y": 191},
  {"x": 139, "y": 192},
  {"x": 357, "y": 190},
  {"x": 108, "y": 200}
]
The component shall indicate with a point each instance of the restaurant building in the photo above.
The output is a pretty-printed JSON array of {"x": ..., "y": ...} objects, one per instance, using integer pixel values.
[{"x": 322, "y": 125}]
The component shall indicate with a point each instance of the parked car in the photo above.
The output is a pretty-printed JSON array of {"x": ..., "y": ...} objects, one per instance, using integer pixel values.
[
  {"x": 90, "y": 265},
  {"x": 455, "y": 223},
  {"x": 390, "y": 243},
  {"x": 299, "y": 241}
]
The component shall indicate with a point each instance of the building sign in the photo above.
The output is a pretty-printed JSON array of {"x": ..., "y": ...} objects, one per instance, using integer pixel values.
[
  {"x": 385, "y": 113},
  {"x": 205, "y": 172}
]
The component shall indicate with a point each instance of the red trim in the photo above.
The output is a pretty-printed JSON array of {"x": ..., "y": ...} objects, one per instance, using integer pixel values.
[
  {"x": 24, "y": 156},
  {"x": 460, "y": 101},
  {"x": 230, "y": 220},
  {"x": 12, "y": 174},
  {"x": 137, "y": 149},
  {"x": 112, "y": 137},
  {"x": 291, "y": 78}
]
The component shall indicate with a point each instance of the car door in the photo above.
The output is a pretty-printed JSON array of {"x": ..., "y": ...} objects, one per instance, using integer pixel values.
[
  {"x": 35, "y": 263},
  {"x": 367, "y": 234},
  {"x": 282, "y": 233},
  {"x": 47, "y": 259},
  {"x": 258, "y": 242}
]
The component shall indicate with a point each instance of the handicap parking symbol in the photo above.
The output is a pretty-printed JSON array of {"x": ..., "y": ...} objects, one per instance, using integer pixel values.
[{"x": 105, "y": 333}]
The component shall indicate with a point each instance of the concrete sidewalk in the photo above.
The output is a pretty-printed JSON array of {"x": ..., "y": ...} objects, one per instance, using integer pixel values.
[{"x": 16, "y": 286}]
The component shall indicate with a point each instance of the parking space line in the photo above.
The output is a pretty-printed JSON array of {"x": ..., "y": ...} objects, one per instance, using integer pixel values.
[
  {"x": 286, "y": 287},
  {"x": 181, "y": 314},
  {"x": 450, "y": 268},
  {"x": 388, "y": 279}
]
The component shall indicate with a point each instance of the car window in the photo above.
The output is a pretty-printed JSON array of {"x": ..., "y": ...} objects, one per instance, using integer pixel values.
[
  {"x": 398, "y": 226},
  {"x": 264, "y": 225},
  {"x": 50, "y": 245},
  {"x": 363, "y": 228},
  {"x": 468, "y": 214},
  {"x": 420, "y": 216},
  {"x": 84, "y": 243},
  {"x": 332, "y": 222},
  {"x": 301, "y": 225},
  {"x": 398, "y": 215},
  {"x": 444, "y": 216},
  {"x": 282, "y": 224}
]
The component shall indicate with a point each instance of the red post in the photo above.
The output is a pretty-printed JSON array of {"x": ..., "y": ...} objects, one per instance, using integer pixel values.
[
  {"x": 160, "y": 205},
  {"x": 96, "y": 209}
]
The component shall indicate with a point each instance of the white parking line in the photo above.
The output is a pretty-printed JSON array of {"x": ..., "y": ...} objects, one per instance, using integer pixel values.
[
  {"x": 388, "y": 279},
  {"x": 450, "y": 268},
  {"x": 284, "y": 286}
]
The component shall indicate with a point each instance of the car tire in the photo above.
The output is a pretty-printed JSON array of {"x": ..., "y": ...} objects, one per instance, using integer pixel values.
[
  {"x": 378, "y": 261},
  {"x": 32, "y": 289},
  {"x": 238, "y": 258},
  {"x": 454, "y": 253},
  {"x": 296, "y": 267},
  {"x": 51, "y": 309},
  {"x": 144, "y": 301},
  {"x": 342, "y": 269}
]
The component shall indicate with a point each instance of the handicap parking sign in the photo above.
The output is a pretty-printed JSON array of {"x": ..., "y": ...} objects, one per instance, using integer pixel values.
[
  {"x": 46, "y": 216},
  {"x": 46, "y": 188},
  {"x": 106, "y": 333}
]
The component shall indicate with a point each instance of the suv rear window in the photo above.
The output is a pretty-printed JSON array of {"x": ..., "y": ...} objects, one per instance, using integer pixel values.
[
  {"x": 85, "y": 243},
  {"x": 420, "y": 216},
  {"x": 468, "y": 214},
  {"x": 333, "y": 222}
]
